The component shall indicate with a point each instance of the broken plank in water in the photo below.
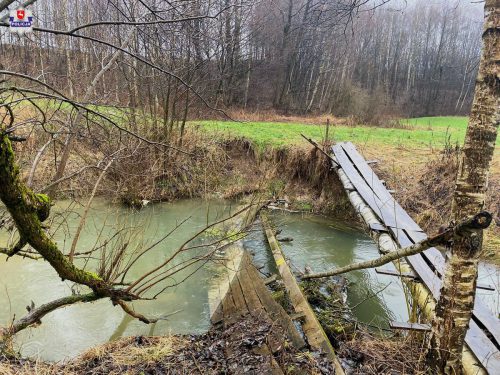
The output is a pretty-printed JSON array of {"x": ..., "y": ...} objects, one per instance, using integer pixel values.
[
  {"x": 315, "y": 334},
  {"x": 410, "y": 326},
  {"x": 271, "y": 279},
  {"x": 274, "y": 309}
]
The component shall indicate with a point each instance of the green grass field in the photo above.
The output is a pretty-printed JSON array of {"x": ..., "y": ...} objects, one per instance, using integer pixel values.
[{"x": 424, "y": 132}]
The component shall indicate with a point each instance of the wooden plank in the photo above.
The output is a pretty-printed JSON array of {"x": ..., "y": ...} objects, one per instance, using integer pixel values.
[
  {"x": 418, "y": 264},
  {"x": 415, "y": 234},
  {"x": 438, "y": 260},
  {"x": 315, "y": 334},
  {"x": 276, "y": 312},
  {"x": 410, "y": 326},
  {"x": 252, "y": 299},
  {"x": 401, "y": 217},
  {"x": 384, "y": 271},
  {"x": 239, "y": 300},
  {"x": 479, "y": 343},
  {"x": 382, "y": 211},
  {"x": 484, "y": 349},
  {"x": 481, "y": 311},
  {"x": 229, "y": 310},
  {"x": 432, "y": 254}
]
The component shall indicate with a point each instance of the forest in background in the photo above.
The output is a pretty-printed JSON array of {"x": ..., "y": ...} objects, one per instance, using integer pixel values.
[
  {"x": 92, "y": 95},
  {"x": 368, "y": 59}
]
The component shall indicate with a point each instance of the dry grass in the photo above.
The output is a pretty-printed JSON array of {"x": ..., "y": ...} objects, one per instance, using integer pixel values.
[
  {"x": 235, "y": 349},
  {"x": 124, "y": 356},
  {"x": 126, "y": 352},
  {"x": 29, "y": 368},
  {"x": 271, "y": 115},
  {"x": 377, "y": 356}
]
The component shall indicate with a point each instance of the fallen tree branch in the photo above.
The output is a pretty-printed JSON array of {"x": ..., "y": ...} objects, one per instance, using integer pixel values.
[
  {"x": 478, "y": 222},
  {"x": 315, "y": 144}
]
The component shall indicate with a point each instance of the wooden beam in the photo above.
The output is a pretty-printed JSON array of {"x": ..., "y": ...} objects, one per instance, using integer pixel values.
[
  {"x": 271, "y": 279},
  {"x": 316, "y": 336},
  {"x": 410, "y": 326},
  {"x": 384, "y": 271}
]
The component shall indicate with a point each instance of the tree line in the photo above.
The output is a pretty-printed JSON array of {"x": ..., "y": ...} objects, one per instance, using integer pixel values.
[{"x": 345, "y": 57}]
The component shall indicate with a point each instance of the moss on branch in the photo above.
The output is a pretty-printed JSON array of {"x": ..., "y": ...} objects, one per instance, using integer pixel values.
[{"x": 28, "y": 211}]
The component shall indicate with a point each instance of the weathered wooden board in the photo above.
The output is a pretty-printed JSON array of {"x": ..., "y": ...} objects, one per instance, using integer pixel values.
[
  {"x": 402, "y": 219},
  {"x": 275, "y": 310},
  {"x": 410, "y": 326},
  {"x": 251, "y": 298},
  {"x": 384, "y": 212},
  {"x": 481, "y": 311},
  {"x": 315, "y": 334},
  {"x": 419, "y": 265}
]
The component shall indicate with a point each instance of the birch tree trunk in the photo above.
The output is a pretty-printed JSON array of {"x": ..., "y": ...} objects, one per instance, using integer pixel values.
[{"x": 456, "y": 302}]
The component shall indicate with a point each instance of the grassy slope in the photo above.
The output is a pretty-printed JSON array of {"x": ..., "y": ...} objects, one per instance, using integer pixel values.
[{"x": 425, "y": 132}]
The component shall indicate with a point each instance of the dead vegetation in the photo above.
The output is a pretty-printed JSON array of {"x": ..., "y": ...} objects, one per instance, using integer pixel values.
[
  {"x": 368, "y": 354},
  {"x": 236, "y": 349}
]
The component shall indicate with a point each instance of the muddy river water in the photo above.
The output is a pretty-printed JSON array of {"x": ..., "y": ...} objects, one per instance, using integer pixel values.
[{"x": 318, "y": 242}]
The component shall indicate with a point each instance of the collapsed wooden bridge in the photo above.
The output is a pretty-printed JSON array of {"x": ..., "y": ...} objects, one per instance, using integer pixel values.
[
  {"x": 483, "y": 337},
  {"x": 242, "y": 292}
]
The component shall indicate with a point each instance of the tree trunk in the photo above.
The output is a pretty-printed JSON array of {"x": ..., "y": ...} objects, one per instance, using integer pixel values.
[{"x": 456, "y": 302}]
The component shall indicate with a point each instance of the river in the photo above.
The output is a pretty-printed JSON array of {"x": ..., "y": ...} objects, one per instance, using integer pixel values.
[{"x": 318, "y": 242}]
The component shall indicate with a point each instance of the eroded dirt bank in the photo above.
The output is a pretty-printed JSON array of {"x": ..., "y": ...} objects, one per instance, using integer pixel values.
[{"x": 423, "y": 181}]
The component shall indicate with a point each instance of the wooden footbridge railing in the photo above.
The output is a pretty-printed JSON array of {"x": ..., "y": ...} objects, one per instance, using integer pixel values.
[{"x": 483, "y": 337}]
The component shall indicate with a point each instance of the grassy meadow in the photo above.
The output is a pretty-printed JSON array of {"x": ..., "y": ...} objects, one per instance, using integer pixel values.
[{"x": 424, "y": 132}]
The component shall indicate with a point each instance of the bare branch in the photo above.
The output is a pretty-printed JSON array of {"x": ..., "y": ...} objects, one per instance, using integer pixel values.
[
  {"x": 36, "y": 314},
  {"x": 479, "y": 222}
]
